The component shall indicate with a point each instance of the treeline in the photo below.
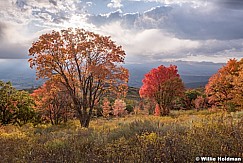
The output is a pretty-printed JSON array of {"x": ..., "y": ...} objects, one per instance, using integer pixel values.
[
  {"x": 52, "y": 104},
  {"x": 224, "y": 90},
  {"x": 85, "y": 78}
]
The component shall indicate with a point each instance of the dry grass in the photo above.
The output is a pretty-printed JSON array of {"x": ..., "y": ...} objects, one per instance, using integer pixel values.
[{"x": 138, "y": 138}]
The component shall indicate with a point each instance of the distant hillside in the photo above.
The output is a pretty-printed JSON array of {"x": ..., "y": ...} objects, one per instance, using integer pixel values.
[
  {"x": 18, "y": 72},
  {"x": 195, "y": 84},
  {"x": 193, "y": 74},
  {"x": 189, "y": 81},
  {"x": 133, "y": 93},
  {"x": 195, "y": 81}
]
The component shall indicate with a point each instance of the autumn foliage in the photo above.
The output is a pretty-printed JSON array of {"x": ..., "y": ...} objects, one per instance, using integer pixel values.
[
  {"x": 224, "y": 87},
  {"x": 238, "y": 86},
  {"x": 53, "y": 103},
  {"x": 162, "y": 84},
  {"x": 86, "y": 64},
  {"x": 119, "y": 107},
  {"x": 106, "y": 108},
  {"x": 157, "y": 110}
]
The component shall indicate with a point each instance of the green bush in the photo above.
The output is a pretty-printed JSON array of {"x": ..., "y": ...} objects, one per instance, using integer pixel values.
[{"x": 16, "y": 107}]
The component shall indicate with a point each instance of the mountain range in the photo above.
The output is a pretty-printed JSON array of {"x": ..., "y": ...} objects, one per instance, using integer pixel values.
[{"x": 193, "y": 74}]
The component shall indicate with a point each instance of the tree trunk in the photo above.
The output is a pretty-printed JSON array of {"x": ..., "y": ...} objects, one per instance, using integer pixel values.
[
  {"x": 84, "y": 116},
  {"x": 164, "y": 111},
  {"x": 84, "y": 121}
]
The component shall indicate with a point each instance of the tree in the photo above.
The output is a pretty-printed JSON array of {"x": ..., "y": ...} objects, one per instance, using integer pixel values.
[
  {"x": 220, "y": 87},
  {"x": 106, "y": 108},
  {"x": 53, "y": 102},
  {"x": 162, "y": 84},
  {"x": 24, "y": 108},
  {"x": 200, "y": 102},
  {"x": 16, "y": 107},
  {"x": 238, "y": 86},
  {"x": 6, "y": 102},
  {"x": 157, "y": 110},
  {"x": 188, "y": 100},
  {"x": 119, "y": 107},
  {"x": 86, "y": 64}
]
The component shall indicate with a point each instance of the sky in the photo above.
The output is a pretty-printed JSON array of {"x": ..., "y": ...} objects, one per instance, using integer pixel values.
[{"x": 148, "y": 30}]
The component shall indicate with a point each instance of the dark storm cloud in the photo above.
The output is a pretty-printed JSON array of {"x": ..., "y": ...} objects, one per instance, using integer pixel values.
[
  {"x": 231, "y": 4},
  {"x": 13, "y": 51},
  {"x": 185, "y": 22},
  {"x": 203, "y": 24},
  {"x": 53, "y": 2}
]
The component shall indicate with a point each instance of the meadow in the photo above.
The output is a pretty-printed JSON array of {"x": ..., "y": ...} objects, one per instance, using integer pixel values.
[{"x": 180, "y": 137}]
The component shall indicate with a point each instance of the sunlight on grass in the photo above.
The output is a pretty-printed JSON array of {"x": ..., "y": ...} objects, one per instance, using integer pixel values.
[{"x": 182, "y": 135}]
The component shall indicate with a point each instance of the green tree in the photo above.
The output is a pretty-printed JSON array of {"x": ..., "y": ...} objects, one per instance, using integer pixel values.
[
  {"x": 188, "y": 100},
  {"x": 16, "y": 107},
  {"x": 24, "y": 108}
]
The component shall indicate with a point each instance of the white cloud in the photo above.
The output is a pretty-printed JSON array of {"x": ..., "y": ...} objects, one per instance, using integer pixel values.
[
  {"x": 153, "y": 43},
  {"x": 22, "y": 21},
  {"x": 115, "y": 4},
  {"x": 194, "y": 3},
  {"x": 167, "y": 30}
]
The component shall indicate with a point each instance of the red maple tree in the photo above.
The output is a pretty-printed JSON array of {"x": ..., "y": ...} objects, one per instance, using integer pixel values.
[{"x": 162, "y": 84}]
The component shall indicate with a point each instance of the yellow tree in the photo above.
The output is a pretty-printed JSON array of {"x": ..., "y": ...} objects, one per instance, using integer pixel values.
[
  {"x": 220, "y": 87},
  {"x": 86, "y": 63}
]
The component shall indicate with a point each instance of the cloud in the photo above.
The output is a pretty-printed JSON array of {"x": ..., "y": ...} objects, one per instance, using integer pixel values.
[
  {"x": 193, "y": 3},
  {"x": 231, "y": 4},
  {"x": 2, "y": 28},
  {"x": 149, "y": 30},
  {"x": 54, "y": 2},
  {"x": 115, "y": 4},
  {"x": 47, "y": 11},
  {"x": 153, "y": 44},
  {"x": 13, "y": 51},
  {"x": 22, "y": 21},
  {"x": 185, "y": 21}
]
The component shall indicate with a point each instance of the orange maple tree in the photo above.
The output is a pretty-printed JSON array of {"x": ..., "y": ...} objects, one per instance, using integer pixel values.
[
  {"x": 53, "y": 102},
  {"x": 220, "y": 87},
  {"x": 162, "y": 84},
  {"x": 86, "y": 63},
  {"x": 238, "y": 86}
]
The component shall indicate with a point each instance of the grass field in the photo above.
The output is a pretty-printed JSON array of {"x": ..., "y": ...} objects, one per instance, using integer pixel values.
[{"x": 180, "y": 137}]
